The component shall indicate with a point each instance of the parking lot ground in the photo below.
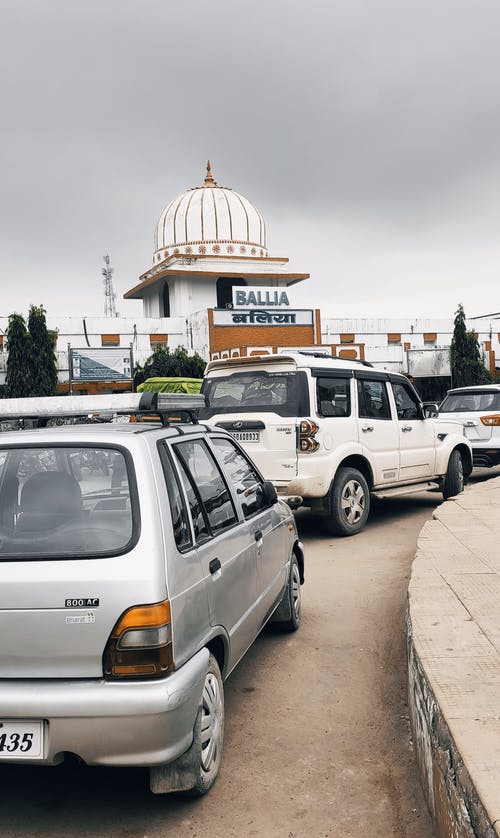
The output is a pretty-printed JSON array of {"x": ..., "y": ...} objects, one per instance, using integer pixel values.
[{"x": 317, "y": 734}]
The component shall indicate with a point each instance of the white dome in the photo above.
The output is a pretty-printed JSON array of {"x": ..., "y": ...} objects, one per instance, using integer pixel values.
[{"x": 210, "y": 220}]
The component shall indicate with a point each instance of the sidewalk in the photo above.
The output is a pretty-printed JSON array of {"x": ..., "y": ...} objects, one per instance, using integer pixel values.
[{"x": 454, "y": 662}]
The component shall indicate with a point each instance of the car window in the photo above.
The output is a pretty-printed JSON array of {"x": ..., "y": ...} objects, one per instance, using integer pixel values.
[
  {"x": 373, "y": 400},
  {"x": 470, "y": 402},
  {"x": 242, "y": 474},
  {"x": 208, "y": 483},
  {"x": 198, "y": 517},
  {"x": 284, "y": 393},
  {"x": 333, "y": 396},
  {"x": 62, "y": 501},
  {"x": 406, "y": 404},
  {"x": 180, "y": 517}
]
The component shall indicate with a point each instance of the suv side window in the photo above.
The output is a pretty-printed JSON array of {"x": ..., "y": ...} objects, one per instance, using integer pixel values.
[
  {"x": 180, "y": 518},
  {"x": 406, "y": 404},
  {"x": 242, "y": 474},
  {"x": 373, "y": 399},
  {"x": 333, "y": 396},
  {"x": 208, "y": 483}
]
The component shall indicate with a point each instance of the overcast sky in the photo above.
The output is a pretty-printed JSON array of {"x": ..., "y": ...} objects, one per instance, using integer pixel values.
[{"x": 366, "y": 132}]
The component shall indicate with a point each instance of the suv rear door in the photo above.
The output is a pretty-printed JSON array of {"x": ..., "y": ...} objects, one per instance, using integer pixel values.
[
  {"x": 467, "y": 406},
  {"x": 259, "y": 407}
]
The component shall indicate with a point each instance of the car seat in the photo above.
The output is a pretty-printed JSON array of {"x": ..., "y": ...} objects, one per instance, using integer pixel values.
[{"x": 49, "y": 499}]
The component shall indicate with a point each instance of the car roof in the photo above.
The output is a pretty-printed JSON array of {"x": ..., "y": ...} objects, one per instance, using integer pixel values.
[
  {"x": 298, "y": 359},
  {"x": 100, "y": 433},
  {"x": 475, "y": 388}
]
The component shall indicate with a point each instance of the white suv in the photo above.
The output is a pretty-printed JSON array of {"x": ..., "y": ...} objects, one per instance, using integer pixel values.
[
  {"x": 329, "y": 432},
  {"x": 477, "y": 408}
]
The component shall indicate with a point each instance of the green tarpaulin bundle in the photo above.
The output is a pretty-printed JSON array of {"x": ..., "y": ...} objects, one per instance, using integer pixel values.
[{"x": 170, "y": 385}]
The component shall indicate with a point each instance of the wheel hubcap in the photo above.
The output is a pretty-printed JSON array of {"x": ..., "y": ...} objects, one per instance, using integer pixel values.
[
  {"x": 296, "y": 590},
  {"x": 353, "y": 501},
  {"x": 211, "y": 721},
  {"x": 460, "y": 475}
]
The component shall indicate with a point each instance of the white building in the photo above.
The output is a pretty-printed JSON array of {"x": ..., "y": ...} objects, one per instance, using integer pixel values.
[{"x": 211, "y": 240}]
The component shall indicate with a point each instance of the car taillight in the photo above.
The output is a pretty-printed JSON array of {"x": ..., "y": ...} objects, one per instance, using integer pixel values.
[
  {"x": 140, "y": 645},
  {"x": 491, "y": 420},
  {"x": 307, "y": 431}
]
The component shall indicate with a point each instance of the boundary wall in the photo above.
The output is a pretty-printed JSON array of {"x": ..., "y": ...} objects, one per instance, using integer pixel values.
[{"x": 453, "y": 625}]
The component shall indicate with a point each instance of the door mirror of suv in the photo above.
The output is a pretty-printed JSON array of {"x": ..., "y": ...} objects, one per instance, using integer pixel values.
[
  {"x": 430, "y": 410},
  {"x": 269, "y": 495}
]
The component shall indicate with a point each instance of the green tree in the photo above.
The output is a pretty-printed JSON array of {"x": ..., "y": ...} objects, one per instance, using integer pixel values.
[
  {"x": 467, "y": 367},
  {"x": 43, "y": 360},
  {"x": 169, "y": 364},
  {"x": 18, "y": 379}
]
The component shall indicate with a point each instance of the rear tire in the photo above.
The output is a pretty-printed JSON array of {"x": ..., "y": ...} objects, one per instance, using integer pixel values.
[
  {"x": 349, "y": 503},
  {"x": 290, "y": 604},
  {"x": 454, "y": 481},
  {"x": 210, "y": 731}
]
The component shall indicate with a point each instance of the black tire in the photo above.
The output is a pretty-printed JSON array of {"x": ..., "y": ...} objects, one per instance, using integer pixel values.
[
  {"x": 291, "y": 603},
  {"x": 454, "y": 480},
  {"x": 349, "y": 503},
  {"x": 210, "y": 730}
]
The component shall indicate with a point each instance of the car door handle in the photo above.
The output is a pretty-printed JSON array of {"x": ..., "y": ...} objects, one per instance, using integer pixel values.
[
  {"x": 406, "y": 428},
  {"x": 258, "y": 535},
  {"x": 214, "y": 566},
  {"x": 366, "y": 428}
]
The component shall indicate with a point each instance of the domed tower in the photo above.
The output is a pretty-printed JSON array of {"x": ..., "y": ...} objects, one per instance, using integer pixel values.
[
  {"x": 208, "y": 240},
  {"x": 210, "y": 220}
]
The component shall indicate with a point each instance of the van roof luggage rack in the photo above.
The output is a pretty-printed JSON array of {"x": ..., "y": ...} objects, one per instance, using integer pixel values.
[{"x": 102, "y": 408}]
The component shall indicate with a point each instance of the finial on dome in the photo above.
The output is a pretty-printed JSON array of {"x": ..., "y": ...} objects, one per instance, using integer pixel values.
[{"x": 209, "y": 181}]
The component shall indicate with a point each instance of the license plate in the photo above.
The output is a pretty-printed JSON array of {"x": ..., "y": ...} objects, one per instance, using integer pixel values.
[
  {"x": 246, "y": 436},
  {"x": 21, "y": 740}
]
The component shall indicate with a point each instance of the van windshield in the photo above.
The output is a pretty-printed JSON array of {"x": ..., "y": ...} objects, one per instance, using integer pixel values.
[
  {"x": 284, "y": 393},
  {"x": 62, "y": 502}
]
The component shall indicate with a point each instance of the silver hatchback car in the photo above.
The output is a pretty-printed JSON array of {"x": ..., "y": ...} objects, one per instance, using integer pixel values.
[{"x": 138, "y": 562}]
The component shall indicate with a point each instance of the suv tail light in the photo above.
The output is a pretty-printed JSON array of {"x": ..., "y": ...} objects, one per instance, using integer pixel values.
[
  {"x": 307, "y": 431},
  {"x": 491, "y": 420},
  {"x": 140, "y": 645}
]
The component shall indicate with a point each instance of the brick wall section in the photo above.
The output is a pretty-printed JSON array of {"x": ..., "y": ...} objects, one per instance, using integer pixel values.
[{"x": 229, "y": 337}]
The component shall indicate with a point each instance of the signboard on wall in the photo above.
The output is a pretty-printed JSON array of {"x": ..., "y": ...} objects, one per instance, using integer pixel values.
[
  {"x": 427, "y": 363},
  {"x": 100, "y": 364},
  {"x": 263, "y": 317}
]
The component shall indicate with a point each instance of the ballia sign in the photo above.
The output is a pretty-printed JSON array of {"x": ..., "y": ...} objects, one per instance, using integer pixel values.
[
  {"x": 260, "y": 306},
  {"x": 260, "y": 298}
]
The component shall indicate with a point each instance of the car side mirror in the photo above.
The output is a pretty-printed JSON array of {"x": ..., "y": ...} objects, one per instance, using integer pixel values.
[
  {"x": 269, "y": 494},
  {"x": 431, "y": 410}
]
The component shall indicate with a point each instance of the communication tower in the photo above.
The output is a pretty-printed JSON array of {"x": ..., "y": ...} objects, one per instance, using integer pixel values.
[{"x": 109, "y": 294}]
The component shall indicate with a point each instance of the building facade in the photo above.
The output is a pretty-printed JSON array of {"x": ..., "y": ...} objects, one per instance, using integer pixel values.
[{"x": 214, "y": 288}]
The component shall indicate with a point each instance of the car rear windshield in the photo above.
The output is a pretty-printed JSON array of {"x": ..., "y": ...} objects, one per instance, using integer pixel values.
[
  {"x": 259, "y": 391},
  {"x": 471, "y": 402},
  {"x": 62, "y": 502}
]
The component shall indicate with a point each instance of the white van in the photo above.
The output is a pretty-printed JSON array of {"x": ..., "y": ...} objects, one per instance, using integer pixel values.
[{"x": 330, "y": 432}]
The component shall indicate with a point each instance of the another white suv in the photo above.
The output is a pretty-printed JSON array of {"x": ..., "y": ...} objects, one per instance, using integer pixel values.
[
  {"x": 477, "y": 408},
  {"x": 330, "y": 432}
]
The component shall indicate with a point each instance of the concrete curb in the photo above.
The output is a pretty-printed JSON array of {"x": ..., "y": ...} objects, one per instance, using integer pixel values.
[{"x": 453, "y": 626}]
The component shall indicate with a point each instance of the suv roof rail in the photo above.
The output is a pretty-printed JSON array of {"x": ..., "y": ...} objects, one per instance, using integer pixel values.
[
  {"x": 319, "y": 354},
  {"x": 103, "y": 408}
]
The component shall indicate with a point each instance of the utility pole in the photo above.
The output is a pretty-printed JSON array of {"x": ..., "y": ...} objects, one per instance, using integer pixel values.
[{"x": 109, "y": 294}]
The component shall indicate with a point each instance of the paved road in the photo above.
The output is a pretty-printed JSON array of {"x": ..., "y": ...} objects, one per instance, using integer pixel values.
[{"x": 317, "y": 736}]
